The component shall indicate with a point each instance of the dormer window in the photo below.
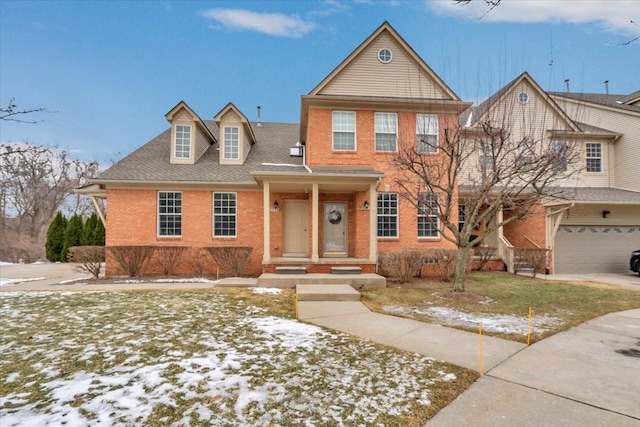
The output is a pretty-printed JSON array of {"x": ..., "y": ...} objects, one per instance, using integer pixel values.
[
  {"x": 231, "y": 143},
  {"x": 182, "y": 144}
]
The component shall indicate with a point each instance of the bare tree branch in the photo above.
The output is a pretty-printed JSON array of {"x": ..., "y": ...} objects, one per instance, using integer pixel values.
[{"x": 11, "y": 112}]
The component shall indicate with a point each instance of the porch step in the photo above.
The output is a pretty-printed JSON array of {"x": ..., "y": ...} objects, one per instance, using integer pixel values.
[
  {"x": 327, "y": 293},
  {"x": 357, "y": 281},
  {"x": 346, "y": 270},
  {"x": 291, "y": 270}
]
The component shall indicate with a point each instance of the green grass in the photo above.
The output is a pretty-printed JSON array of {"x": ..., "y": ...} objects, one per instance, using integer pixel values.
[
  {"x": 214, "y": 357},
  {"x": 510, "y": 294}
]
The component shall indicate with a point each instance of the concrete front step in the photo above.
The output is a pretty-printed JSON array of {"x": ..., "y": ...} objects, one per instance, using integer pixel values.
[
  {"x": 327, "y": 293},
  {"x": 291, "y": 270},
  {"x": 358, "y": 281},
  {"x": 346, "y": 270}
]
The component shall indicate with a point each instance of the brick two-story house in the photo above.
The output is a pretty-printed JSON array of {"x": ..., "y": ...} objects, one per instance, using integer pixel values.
[{"x": 318, "y": 194}]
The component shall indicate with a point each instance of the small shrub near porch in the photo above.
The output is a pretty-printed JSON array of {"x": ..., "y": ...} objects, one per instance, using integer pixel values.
[
  {"x": 231, "y": 259},
  {"x": 406, "y": 264}
]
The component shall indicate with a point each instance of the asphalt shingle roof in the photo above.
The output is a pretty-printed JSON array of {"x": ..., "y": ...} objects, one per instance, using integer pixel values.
[
  {"x": 615, "y": 101},
  {"x": 604, "y": 194},
  {"x": 150, "y": 163}
]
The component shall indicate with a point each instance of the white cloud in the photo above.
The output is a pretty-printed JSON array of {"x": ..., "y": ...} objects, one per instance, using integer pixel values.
[
  {"x": 613, "y": 16},
  {"x": 273, "y": 24}
]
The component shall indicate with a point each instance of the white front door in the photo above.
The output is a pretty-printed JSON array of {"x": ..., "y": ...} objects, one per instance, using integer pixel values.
[
  {"x": 295, "y": 233},
  {"x": 335, "y": 229}
]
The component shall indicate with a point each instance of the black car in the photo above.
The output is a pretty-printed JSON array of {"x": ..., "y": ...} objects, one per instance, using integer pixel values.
[{"x": 634, "y": 262}]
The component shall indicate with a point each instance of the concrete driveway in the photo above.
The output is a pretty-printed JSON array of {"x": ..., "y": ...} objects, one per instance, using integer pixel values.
[
  {"x": 628, "y": 280},
  {"x": 586, "y": 376}
]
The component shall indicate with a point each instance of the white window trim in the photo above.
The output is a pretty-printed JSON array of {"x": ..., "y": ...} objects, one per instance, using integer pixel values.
[
  {"x": 355, "y": 135},
  {"x": 397, "y": 216},
  {"x": 557, "y": 145},
  {"x": 175, "y": 142},
  {"x": 213, "y": 215},
  {"x": 422, "y": 119},
  {"x": 167, "y": 236},
  {"x": 224, "y": 142},
  {"x": 375, "y": 132},
  {"x": 601, "y": 157}
]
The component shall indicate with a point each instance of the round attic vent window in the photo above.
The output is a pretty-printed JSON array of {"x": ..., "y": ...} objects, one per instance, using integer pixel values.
[
  {"x": 384, "y": 56},
  {"x": 523, "y": 98}
]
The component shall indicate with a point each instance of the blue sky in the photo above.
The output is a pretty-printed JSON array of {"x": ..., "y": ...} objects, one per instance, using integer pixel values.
[{"x": 108, "y": 72}]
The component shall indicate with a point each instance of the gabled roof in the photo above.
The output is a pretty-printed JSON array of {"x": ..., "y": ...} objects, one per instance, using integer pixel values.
[
  {"x": 182, "y": 106},
  {"x": 243, "y": 119},
  {"x": 618, "y": 102},
  {"x": 604, "y": 194},
  {"x": 386, "y": 28},
  {"x": 151, "y": 162},
  {"x": 476, "y": 114}
]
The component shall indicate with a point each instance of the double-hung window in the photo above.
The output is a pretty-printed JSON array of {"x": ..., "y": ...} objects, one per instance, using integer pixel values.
[
  {"x": 182, "y": 145},
  {"x": 486, "y": 156},
  {"x": 231, "y": 143},
  {"x": 224, "y": 214},
  {"x": 387, "y": 215},
  {"x": 559, "y": 155},
  {"x": 427, "y": 133},
  {"x": 386, "y": 131},
  {"x": 594, "y": 157},
  {"x": 525, "y": 155},
  {"x": 428, "y": 222},
  {"x": 462, "y": 216},
  {"x": 169, "y": 213},
  {"x": 344, "y": 130}
]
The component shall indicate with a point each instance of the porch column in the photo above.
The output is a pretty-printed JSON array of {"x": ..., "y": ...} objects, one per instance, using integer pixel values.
[
  {"x": 315, "y": 257},
  {"x": 266, "y": 213},
  {"x": 373, "y": 223}
]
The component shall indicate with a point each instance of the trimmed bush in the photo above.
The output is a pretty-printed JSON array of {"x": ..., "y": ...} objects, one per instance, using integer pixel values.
[
  {"x": 87, "y": 259},
  {"x": 401, "y": 265},
  {"x": 168, "y": 258},
  {"x": 72, "y": 235},
  {"x": 230, "y": 259},
  {"x": 199, "y": 260},
  {"x": 132, "y": 259}
]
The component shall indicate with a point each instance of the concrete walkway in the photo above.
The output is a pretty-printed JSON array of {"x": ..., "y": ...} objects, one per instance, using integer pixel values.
[
  {"x": 448, "y": 344},
  {"x": 586, "y": 376}
]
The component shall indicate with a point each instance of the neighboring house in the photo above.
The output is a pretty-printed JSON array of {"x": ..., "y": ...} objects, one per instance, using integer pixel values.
[
  {"x": 593, "y": 223},
  {"x": 323, "y": 193},
  {"x": 602, "y": 226}
]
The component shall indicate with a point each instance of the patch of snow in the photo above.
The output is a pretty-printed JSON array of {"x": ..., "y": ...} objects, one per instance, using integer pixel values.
[
  {"x": 64, "y": 282},
  {"x": 505, "y": 323},
  {"x": 12, "y": 377},
  {"x": 188, "y": 280},
  {"x": 273, "y": 291},
  {"x": 9, "y": 282}
]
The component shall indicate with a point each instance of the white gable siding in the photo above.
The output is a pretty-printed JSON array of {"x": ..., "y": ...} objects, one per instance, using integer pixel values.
[
  {"x": 624, "y": 161},
  {"x": 530, "y": 120},
  {"x": 367, "y": 76}
]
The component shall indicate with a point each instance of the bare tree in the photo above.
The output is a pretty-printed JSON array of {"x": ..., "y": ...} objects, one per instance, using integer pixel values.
[
  {"x": 35, "y": 182},
  {"x": 14, "y": 114},
  {"x": 487, "y": 169}
]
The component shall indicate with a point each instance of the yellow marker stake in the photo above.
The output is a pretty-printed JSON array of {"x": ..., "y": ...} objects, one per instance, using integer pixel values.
[
  {"x": 480, "y": 342},
  {"x": 529, "y": 328},
  {"x": 217, "y": 272},
  {"x": 296, "y": 303}
]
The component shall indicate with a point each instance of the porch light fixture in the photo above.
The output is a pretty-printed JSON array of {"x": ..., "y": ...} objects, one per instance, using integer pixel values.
[
  {"x": 605, "y": 214},
  {"x": 365, "y": 205},
  {"x": 275, "y": 207}
]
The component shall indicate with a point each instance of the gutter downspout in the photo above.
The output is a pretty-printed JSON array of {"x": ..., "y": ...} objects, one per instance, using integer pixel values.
[{"x": 304, "y": 159}]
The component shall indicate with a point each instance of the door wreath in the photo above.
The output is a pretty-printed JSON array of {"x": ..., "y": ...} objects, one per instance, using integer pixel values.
[{"x": 334, "y": 217}]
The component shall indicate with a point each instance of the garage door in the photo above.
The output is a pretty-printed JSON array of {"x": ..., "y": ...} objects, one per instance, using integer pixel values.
[{"x": 595, "y": 249}]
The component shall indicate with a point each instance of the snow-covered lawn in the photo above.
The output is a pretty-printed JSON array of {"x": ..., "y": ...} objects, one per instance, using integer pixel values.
[
  {"x": 197, "y": 358},
  {"x": 505, "y": 323}
]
